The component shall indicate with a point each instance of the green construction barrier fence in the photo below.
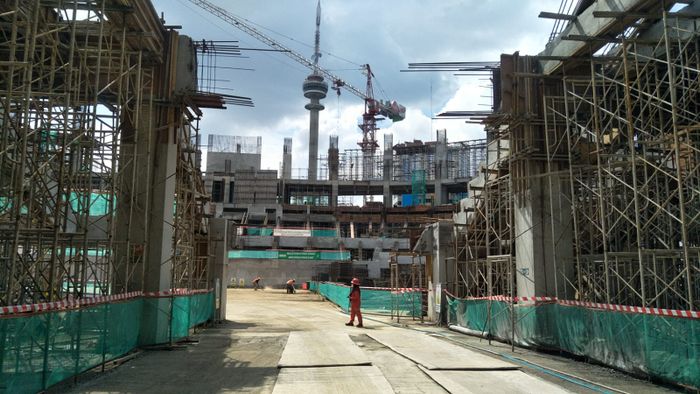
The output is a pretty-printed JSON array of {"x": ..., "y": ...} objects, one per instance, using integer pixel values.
[
  {"x": 313, "y": 286},
  {"x": 373, "y": 300},
  {"x": 42, "y": 349},
  {"x": 665, "y": 348}
]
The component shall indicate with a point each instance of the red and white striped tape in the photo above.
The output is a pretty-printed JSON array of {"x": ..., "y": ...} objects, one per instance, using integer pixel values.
[
  {"x": 66, "y": 304},
  {"x": 635, "y": 309},
  {"x": 175, "y": 292},
  {"x": 407, "y": 291},
  {"x": 514, "y": 299},
  {"x": 77, "y": 303},
  {"x": 595, "y": 305},
  {"x": 397, "y": 290}
]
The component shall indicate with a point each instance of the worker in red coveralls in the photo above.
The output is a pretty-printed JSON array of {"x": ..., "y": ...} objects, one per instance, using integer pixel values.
[{"x": 355, "y": 304}]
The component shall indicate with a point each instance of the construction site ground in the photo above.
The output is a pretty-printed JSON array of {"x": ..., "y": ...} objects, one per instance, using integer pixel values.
[{"x": 243, "y": 353}]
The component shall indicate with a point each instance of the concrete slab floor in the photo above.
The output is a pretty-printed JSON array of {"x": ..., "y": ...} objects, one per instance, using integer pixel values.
[
  {"x": 241, "y": 355},
  {"x": 309, "y": 349}
]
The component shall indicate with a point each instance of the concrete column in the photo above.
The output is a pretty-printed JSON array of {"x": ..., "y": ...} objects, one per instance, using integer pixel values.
[
  {"x": 543, "y": 263},
  {"x": 386, "y": 190},
  {"x": 440, "y": 193},
  {"x": 388, "y": 159},
  {"x": 144, "y": 217},
  {"x": 218, "y": 264},
  {"x": 334, "y": 194},
  {"x": 287, "y": 159},
  {"x": 333, "y": 158},
  {"x": 132, "y": 204},
  {"x": 158, "y": 273},
  {"x": 441, "y": 170},
  {"x": 388, "y": 166},
  {"x": 158, "y": 268}
]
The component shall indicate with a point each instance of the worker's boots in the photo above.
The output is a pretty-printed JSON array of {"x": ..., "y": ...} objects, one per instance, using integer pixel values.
[{"x": 350, "y": 324}]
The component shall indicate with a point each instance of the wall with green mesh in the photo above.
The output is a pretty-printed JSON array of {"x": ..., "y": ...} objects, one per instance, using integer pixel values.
[
  {"x": 662, "y": 347},
  {"x": 373, "y": 300},
  {"x": 42, "y": 349}
]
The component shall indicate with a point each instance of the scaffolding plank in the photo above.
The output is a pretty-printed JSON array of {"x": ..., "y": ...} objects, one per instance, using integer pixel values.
[
  {"x": 436, "y": 354},
  {"x": 321, "y": 349}
]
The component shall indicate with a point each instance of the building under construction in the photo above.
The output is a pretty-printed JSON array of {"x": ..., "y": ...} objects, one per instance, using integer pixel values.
[
  {"x": 416, "y": 183},
  {"x": 572, "y": 228}
]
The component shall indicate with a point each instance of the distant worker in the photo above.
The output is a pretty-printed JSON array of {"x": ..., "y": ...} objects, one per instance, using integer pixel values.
[
  {"x": 355, "y": 297},
  {"x": 290, "y": 286},
  {"x": 256, "y": 283}
]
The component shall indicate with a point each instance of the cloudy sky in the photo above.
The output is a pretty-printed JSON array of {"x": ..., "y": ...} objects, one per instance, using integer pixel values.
[{"x": 387, "y": 35}]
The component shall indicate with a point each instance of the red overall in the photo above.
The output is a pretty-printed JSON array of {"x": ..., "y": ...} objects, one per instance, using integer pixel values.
[{"x": 355, "y": 306}]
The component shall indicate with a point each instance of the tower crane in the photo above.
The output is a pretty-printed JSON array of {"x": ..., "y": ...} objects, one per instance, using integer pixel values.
[{"x": 374, "y": 109}]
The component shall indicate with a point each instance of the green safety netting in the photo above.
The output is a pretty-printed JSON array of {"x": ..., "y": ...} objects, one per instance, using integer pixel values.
[
  {"x": 380, "y": 301},
  {"x": 373, "y": 300},
  {"x": 6, "y": 206},
  {"x": 336, "y": 294},
  {"x": 98, "y": 204},
  {"x": 323, "y": 233},
  {"x": 666, "y": 348},
  {"x": 258, "y": 231},
  {"x": 42, "y": 349}
]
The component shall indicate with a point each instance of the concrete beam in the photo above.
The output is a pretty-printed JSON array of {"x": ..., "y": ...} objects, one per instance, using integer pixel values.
[{"x": 587, "y": 24}]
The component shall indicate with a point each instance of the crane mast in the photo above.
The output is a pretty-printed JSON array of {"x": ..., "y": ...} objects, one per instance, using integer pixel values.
[{"x": 373, "y": 108}]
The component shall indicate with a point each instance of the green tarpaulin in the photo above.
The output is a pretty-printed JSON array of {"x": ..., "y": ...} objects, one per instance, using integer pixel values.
[
  {"x": 666, "y": 348},
  {"x": 373, "y": 300}
]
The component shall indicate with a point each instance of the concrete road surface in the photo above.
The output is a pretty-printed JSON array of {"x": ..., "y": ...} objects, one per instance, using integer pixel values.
[{"x": 242, "y": 355}]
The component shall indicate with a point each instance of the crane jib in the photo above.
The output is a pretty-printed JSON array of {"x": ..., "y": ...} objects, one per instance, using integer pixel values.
[{"x": 390, "y": 109}]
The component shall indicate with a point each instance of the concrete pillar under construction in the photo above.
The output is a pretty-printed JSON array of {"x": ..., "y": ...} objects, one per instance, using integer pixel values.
[
  {"x": 315, "y": 89},
  {"x": 388, "y": 168},
  {"x": 441, "y": 169},
  {"x": 287, "y": 159}
]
